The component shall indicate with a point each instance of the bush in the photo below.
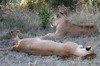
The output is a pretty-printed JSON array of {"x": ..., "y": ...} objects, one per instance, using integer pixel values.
[
  {"x": 68, "y": 3},
  {"x": 30, "y": 5},
  {"x": 44, "y": 15}
]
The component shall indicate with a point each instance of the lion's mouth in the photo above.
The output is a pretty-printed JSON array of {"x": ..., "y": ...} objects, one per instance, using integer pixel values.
[
  {"x": 51, "y": 25},
  {"x": 90, "y": 56}
]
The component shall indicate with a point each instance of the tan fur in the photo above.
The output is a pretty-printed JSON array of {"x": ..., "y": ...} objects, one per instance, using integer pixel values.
[
  {"x": 11, "y": 35},
  {"x": 36, "y": 46},
  {"x": 62, "y": 9},
  {"x": 65, "y": 28}
]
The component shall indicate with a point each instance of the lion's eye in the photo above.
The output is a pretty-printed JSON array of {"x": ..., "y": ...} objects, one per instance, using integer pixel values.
[{"x": 11, "y": 31}]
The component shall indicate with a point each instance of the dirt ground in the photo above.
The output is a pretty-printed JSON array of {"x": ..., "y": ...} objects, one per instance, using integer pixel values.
[{"x": 14, "y": 58}]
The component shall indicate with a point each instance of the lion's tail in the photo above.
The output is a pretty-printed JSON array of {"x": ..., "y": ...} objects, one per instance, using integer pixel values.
[{"x": 13, "y": 48}]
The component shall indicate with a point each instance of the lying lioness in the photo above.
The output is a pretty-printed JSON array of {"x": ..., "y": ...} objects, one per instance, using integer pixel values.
[
  {"x": 65, "y": 28},
  {"x": 36, "y": 46},
  {"x": 11, "y": 35}
]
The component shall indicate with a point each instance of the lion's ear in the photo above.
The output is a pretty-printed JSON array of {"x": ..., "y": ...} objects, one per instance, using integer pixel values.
[{"x": 88, "y": 48}]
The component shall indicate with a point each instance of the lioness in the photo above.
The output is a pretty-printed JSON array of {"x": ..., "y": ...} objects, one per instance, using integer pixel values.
[
  {"x": 65, "y": 28},
  {"x": 36, "y": 46}
]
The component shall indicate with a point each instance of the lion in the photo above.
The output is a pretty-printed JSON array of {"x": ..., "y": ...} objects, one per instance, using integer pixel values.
[
  {"x": 11, "y": 35},
  {"x": 65, "y": 28},
  {"x": 63, "y": 9},
  {"x": 37, "y": 46}
]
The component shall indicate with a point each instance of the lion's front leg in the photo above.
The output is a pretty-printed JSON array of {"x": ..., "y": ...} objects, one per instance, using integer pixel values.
[
  {"x": 48, "y": 36},
  {"x": 59, "y": 34},
  {"x": 51, "y": 35}
]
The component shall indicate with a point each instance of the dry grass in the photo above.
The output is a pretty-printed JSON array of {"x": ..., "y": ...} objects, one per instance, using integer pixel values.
[{"x": 17, "y": 18}]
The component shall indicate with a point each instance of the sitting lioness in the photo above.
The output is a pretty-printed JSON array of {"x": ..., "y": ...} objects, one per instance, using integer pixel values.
[
  {"x": 36, "y": 46},
  {"x": 65, "y": 28}
]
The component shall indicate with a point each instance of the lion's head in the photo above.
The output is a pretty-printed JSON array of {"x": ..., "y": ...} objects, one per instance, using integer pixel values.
[
  {"x": 86, "y": 53},
  {"x": 57, "y": 18},
  {"x": 13, "y": 34},
  {"x": 89, "y": 53},
  {"x": 63, "y": 9}
]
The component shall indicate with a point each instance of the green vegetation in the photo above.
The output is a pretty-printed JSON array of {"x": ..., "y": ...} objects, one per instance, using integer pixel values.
[{"x": 44, "y": 15}]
